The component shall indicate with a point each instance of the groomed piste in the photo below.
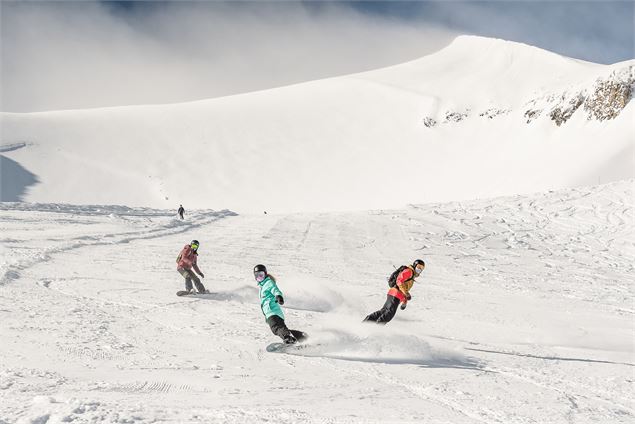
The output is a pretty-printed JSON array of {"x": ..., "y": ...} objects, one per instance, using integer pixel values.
[{"x": 523, "y": 314}]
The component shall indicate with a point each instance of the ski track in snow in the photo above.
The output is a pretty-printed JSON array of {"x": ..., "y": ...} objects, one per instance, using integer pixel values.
[
  {"x": 172, "y": 225},
  {"x": 524, "y": 314}
]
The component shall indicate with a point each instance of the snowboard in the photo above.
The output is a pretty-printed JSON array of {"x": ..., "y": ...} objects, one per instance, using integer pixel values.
[
  {"x": 279, "y": 347},
  {"x": 185, "y": 293},
  {"x": 285, "y": 347}
]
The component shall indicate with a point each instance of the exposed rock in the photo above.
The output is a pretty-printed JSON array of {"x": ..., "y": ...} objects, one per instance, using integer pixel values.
[
  {"x": 532, "y": 114},
  {"x": 429, "y": 122},
  {"x": 560, "y": 114},
  {"x": 603, "y": 100},
  {"x": 611, "y": 96},
  {"x": 493, "y": 112},
  {"x": 455, "y": 116},
  {"x": 606, "y": 100}
]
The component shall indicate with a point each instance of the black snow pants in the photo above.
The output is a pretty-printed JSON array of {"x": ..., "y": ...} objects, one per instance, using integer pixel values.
[
  {"x": 279, "y": 328},
  {"x": 386, "y": 313}
]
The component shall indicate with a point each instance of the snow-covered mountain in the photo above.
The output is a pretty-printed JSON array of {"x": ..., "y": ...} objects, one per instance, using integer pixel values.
[{"x": 480, "y": 118}]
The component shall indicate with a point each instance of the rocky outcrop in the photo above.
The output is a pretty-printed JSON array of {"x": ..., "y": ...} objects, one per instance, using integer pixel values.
[
  {"x": 611, "y": 96},
  {"x": 605, "y": 100}
]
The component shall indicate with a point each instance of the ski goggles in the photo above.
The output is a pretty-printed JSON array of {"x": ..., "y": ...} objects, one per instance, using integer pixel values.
[
  {"x": 260, "y": 275},
  {"x": 194, "y": 246},
  {"x": 419, "y": 268}
]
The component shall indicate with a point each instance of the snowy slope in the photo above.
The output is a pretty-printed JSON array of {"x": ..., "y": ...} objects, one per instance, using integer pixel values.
[
  {"x": 524, "y": 314},
  {"x": 477, "y": 119}
]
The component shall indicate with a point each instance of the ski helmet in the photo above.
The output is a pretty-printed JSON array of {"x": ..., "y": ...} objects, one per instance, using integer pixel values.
[
  {"x": 418, "y": 262},
  {"x": 259, "y": 268},
  {"x": 260, "y": 273},
  {"x": 194, "y": 244}
]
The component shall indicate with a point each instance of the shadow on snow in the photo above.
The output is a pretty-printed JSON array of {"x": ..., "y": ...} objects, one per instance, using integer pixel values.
[{"x": 14, "y": 180}]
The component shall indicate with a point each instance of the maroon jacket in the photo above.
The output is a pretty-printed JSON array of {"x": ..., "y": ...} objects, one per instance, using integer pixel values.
[{"x": 187, "y": 259}]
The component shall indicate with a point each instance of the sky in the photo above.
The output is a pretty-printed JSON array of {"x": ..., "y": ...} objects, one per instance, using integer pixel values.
[{"x": 84, "y": 54}]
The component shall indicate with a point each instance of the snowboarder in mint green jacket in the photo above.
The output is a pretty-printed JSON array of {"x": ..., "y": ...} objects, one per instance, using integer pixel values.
[{"x": 270, "y": 301}]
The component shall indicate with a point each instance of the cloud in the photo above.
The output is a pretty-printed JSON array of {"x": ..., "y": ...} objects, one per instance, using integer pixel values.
[
  {"x": 596, "y": 31},
  {"x": 61, "y": 55},
  {"x": 90, "y": 54}
]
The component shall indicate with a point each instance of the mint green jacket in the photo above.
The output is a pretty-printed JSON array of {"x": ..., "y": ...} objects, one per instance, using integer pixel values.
[{"x": 268, "y": 292}]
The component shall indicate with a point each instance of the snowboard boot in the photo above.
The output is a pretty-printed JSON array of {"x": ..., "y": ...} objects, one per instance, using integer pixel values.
[
  {"x": 300, "y": 336},
  {"x": 290, "y": 339}
]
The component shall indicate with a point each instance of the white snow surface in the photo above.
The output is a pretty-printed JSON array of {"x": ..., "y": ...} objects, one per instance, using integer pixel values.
[
  {"x": 355, "y": 142},
  {"x": 524, "y": 314}
]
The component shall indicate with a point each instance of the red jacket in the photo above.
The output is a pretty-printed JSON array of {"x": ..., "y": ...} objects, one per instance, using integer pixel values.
[
  {"x": 187, "y": 259},
  {"x": 405, "y": 280}
]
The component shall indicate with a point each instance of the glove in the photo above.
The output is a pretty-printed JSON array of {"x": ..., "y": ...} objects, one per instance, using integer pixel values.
[
  {"x": 201, "y": 274},
  {"x": 408, "y": 297},
  {"x": 403, "y": 306},
  {"x": 279, "y": 300}
]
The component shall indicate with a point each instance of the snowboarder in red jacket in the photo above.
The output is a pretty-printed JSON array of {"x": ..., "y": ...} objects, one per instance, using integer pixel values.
[
  {"x": 399, "y": 293},
  {"x": 186, "y": 265}
]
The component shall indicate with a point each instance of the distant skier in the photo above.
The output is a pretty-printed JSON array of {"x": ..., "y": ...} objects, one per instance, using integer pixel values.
[
  {"x": 270, "y": 301},
  {"x": 186, "y": 265},
  {"x": 181, "y": 211},
  {"x": 400, "y": 283}
]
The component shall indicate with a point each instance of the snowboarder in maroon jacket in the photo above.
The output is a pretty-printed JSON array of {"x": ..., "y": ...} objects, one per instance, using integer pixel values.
[{"x": 186, "y": 265}]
